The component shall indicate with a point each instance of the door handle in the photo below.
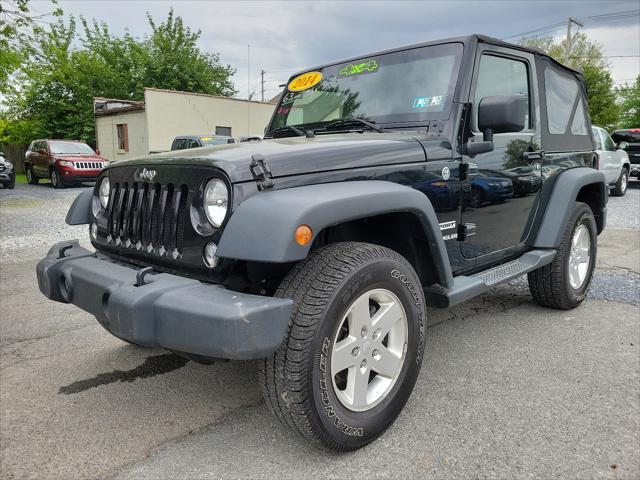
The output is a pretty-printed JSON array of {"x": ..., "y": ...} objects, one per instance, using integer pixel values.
[{"x": 533, "y": 157}]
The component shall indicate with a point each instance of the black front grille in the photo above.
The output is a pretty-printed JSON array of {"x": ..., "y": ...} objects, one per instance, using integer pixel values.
[{"x": 147, "y": 216}]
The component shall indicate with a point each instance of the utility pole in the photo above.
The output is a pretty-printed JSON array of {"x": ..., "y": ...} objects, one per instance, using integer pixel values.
[
  {"x": 568, "y": 49},
  {"x": 262, "y": 82}
]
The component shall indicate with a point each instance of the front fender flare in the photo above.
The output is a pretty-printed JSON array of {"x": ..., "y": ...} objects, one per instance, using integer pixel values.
[
  {"x": 80, "y": 211},
  {"x": 262, "y": 228}
]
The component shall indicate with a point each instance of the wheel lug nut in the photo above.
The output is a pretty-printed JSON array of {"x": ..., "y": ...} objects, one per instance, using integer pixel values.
[
  {"x": 363, "y": 332},
  {"x": 375, "y": 334},
  {"x": 363, "y": 364},
  {"x": 355, "y": 352}
]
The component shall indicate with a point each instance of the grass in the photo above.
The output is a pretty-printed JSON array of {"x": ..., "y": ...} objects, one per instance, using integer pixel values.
[{"x": 22, "y": 178}]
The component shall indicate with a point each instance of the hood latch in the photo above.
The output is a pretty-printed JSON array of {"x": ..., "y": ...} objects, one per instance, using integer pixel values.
[{"x": 261, "y": 173}]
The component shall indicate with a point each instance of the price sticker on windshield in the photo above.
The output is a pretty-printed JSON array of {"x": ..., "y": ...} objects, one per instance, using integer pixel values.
[{"x": 304, "y": 81}]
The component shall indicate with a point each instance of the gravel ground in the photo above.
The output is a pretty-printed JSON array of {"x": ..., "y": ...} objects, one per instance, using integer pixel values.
[
  {"x": 624, "y": 212},
  {"x": 508, "y": 389}
]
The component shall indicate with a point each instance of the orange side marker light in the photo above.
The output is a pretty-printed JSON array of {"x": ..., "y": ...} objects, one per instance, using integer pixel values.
[{"x": 303, "y": 235}]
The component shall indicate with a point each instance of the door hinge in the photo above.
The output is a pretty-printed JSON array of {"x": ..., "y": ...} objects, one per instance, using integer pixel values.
[
  {"x": 261, "y": 173},
  {"x": 466, "y": 230}
]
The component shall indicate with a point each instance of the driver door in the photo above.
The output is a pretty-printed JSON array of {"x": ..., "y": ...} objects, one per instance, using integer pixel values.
[{"x": 501, "y": 189}]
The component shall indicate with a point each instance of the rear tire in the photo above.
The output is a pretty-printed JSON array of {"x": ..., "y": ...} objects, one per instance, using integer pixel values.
[
  {"x": 621, "y": 185},
  {"x": 56, "y": 179},
  {"x": 32, "y": 179},
  {"x": 298, "y": 381},
  {"x": 564, "y": 283}
]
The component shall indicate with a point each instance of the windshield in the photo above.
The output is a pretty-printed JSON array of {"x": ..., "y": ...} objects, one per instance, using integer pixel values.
[
  {"x": 70, "y": 148},
  {"x": 210, "y": 141},
  {"x": 406, "y": 86}
]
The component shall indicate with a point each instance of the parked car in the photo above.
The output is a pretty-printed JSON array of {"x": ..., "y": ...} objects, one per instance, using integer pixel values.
[
  {"x": 197, "y": 141},
  {"x": 629, "y": 141},
  {"x": 304, "y": 251},
  {"x": 612, "y": 161},
  {"x": 65, "y": 162},
  {"x": 7, "y": 173}
]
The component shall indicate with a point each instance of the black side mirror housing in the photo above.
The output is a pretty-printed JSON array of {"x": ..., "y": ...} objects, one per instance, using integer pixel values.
[
  {"x": 498, "y": 114},
  {"x": 502, "y": 114}
]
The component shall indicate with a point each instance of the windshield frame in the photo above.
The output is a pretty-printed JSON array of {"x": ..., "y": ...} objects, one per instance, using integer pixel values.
[{"x": 444, "y": 114}]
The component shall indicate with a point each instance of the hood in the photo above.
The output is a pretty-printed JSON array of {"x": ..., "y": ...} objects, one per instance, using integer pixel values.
[
  {"x": 296, "y": 155},
  {"x": 78, "y": 158}
]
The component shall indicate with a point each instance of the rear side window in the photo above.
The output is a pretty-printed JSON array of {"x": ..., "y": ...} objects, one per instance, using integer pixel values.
[
  {"x": 562, "y": 93},
  {"x": 193, "y": 143},
  {"x": 608, "y": 143},
  {"x": 500, "y": 76}
]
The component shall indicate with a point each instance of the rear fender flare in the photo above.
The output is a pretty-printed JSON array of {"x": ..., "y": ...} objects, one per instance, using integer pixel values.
[
  {"x": 565, "y": 192},
  {"x": 262, "y": 227}
]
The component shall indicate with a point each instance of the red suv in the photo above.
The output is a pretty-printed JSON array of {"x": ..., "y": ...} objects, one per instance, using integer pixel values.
[{"x": 65, "y": 162}]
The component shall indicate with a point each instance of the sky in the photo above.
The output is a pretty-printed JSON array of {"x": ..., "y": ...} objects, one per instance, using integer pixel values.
[{"x": 288, "y": 36}]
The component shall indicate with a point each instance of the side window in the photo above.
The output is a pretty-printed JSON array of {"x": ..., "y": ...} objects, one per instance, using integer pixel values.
[
  {"x": 180, "y": 144},
  {"x": 597, "y": 141},
  {"x": 579, "y": 124},
  {"x": 608, "y": 142},
  {"x": 226, "y": 131},
  {"x": 193, "y": 143},
  {"x": 561, "y": 94},
  {"x": 501, "y": 76}
]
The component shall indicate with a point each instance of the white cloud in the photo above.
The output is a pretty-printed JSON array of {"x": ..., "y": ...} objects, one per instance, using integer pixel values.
[{"x": 286, "y": 36}]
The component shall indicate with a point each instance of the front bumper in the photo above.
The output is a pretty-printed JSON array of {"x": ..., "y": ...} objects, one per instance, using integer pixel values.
[
  {"x": 164, "y": 310},
  {"x": 7, "y": 177}
]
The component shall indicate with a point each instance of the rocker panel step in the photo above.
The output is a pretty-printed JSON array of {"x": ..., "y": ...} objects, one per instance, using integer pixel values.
[{"x": 466, "y": 287}]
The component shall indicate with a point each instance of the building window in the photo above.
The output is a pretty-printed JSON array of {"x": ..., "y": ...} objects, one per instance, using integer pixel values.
[
  {"x": 123, "y": 137},
  {"x": 226, "y": 131}
]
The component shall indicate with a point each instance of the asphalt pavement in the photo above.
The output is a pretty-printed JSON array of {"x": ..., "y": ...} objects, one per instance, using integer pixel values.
[{"x": 508, "y": 389}]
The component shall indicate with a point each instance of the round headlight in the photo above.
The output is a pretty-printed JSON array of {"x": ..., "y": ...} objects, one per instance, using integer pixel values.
[
  {"x": 104, "y": 191},
  {"x": 216, "y": 201}
]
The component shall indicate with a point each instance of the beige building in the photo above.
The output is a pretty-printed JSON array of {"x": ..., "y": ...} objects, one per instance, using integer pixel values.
[{"x": 128, "y": 129}]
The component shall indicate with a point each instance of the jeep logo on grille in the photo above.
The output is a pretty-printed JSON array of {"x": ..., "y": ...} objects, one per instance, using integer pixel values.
[{"x": 146, "y": 175}]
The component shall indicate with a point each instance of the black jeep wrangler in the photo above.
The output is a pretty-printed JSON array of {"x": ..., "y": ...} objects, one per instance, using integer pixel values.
[{"x": 385, "y": 184}]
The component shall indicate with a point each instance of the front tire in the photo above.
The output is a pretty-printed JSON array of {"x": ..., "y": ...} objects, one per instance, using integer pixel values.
[
  {"x": 353, "y": 348},
  {"x": 564, "y": 283},
  {"x": 56, "y": 179},
  {"x": 621, "y": 185}
]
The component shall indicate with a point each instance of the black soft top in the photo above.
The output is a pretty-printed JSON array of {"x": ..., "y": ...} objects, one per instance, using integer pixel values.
[{"x": 470, "y": 40}]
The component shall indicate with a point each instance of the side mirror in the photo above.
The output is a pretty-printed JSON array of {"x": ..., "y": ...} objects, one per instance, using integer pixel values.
[
  {"x": 97, "y": 151},
  {"x": 41, "y": 151},
  {"x": 621, "y": 145},
  {"x": 498, "y": 114}
]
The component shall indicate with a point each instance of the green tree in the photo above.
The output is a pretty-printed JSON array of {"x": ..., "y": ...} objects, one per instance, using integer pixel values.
[
  {"x": 587, "y": 57},
  {"x": 65, "y": 70},
  {"x": 630, "y": 105},
  {"x": 16, "y": 24}
]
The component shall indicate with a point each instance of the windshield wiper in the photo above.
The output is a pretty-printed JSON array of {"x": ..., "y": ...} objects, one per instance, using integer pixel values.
[
  {"x": 346, "y": 122},
  {"x": 290, "y": 128}
]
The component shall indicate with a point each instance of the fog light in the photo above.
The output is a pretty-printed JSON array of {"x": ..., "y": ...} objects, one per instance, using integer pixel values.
[
  {"x": 93, "y": 231},
  {"x": 209, "y": 257}
]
